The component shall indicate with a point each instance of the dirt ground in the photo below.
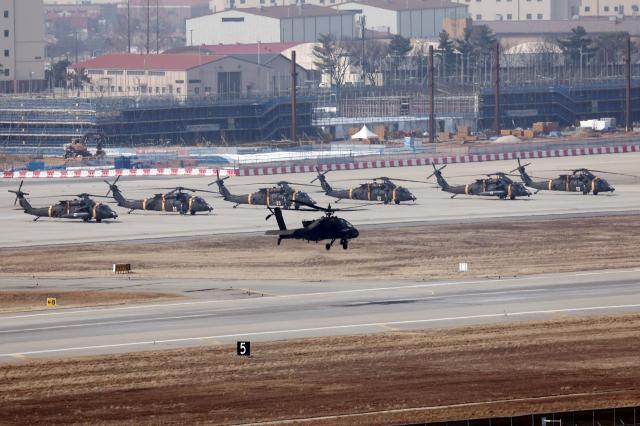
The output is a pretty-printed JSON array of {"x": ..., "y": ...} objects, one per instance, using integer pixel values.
[
  {"x": 12, "y": 301},
  {"x": 593, "y": 363},
  {"x": 422, "y": 252}
]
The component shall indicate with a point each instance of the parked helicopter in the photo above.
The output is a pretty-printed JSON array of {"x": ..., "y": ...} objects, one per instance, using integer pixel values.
[
  {"x": 281, "y": 195},
  {"x": 176, "y": 200},
  {"x": 495, "y": 185},
  {"x": 385, "y": 191},
  {"x": 328, "y": 227},
  {"x": 82, "y": 207},
  {"x": 580, "y": 180}
]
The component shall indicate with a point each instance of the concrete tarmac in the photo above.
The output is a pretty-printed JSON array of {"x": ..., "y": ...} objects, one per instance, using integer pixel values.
[
  {"x": 433, "y": 205},
  {"x": 296, "y": 309}
]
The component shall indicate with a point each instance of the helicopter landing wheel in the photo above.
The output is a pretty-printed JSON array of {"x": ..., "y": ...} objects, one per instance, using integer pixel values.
[
  {"x": 193, "y": 212},
  {"x": 595, "y": 192},
  {"x": 86, "y": 219},
  {"x": 345, "y": 244},
  {"x": 98, "y": 220},
  {"x": 512, "y": 197},
  {"x": 327, "y": 246},
  {"x": 397, "y": 201}
]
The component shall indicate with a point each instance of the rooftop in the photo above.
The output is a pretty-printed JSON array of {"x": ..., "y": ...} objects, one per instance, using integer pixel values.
[
  {"x": 238, "y": 48},
  {"x": 292, "y": 11},
  {"x": 408, "y": 4},
  {"x": 591, "y": 25},
  {"x": 163, "y": 61}
]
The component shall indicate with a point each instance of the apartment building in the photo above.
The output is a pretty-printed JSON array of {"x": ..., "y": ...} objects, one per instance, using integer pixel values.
[
  {"x": 610, "y": 8},
  {"x": 521, "y": 10},
  {"x": 21, "y": 45}
]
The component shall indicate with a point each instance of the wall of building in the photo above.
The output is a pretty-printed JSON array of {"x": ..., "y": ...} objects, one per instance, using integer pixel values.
[
  {"x": 21, "y": 44},
  {"x": 309, "y": 28},
  {"x": 377, "y": 19},
  {"x": 426, "y": 23},
  {"x": 198, "y": 81},
  {"x": 233, "y": 26},
  {"x": 610, "y": 7},
  {"x": 520, "y": 10}
]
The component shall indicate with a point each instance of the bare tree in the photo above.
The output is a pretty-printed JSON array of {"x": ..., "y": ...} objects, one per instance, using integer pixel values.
[{"x": 332, "y": 58}]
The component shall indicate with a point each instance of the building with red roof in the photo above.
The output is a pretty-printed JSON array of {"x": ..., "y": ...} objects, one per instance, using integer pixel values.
[{"x": 180, "y": 75}]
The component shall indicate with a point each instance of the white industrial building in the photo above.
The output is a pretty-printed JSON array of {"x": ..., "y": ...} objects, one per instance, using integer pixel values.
[
  {"x": 408, "y": 18},
  {"x": 610, "y": 8},
  {"x": 276, "y": 24},
  {"x": 21, "y": 45}
]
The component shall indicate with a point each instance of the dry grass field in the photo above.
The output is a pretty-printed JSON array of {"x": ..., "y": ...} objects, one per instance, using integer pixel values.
[
  {"x": 421, "y": 252},
  {"x": 491, "y": 370}
]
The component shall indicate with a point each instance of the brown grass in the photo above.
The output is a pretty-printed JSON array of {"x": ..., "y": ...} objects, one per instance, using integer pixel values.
[
  {"x": 577, "y": 363},
  {"x": 422, "y": 252}
]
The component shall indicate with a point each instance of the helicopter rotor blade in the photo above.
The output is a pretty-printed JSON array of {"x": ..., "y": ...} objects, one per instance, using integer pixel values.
[{"x": 435, "y": 170}]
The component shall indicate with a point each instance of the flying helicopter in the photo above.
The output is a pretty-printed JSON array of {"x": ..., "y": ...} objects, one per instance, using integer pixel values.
[
  {"x": 328, "y": 227},
  {"x": 580, "y": 180},
  {"x": 495, "y": 185},
  {"x": 176, "y": 200},
  {"x": 282, "y": 195},
  {"x": 381, "y": 189},
  {"x": 82, "y": 207}
]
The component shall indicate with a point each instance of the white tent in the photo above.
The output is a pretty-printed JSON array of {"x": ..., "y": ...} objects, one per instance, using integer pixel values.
[{"x": 364, "y": 133}]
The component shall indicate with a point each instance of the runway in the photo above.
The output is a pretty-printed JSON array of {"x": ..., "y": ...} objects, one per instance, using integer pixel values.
[
  {"x": 295, "y": 309},
  {"x": 433, "y": 205}
]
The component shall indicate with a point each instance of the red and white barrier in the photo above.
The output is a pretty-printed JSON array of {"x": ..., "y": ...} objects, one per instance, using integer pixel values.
[{"x": 261, "y": 171}]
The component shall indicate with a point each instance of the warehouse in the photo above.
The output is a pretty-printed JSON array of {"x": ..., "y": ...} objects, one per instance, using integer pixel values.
[
  {"x": 410, "y": 18},
  {"x": 182, "y": 75},
  {"x": 276, "y": 24}
]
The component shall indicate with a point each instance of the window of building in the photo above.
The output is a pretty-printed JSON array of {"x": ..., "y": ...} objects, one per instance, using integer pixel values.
[
  {"x": 606, "y": 8},
  {"x": 196, "y": 90},
  {"x": 635, "y": 8},
  {"x": 509, "y": 16},
  {"x": 232, "y": 19},
  {"x": 120, "y": 89},
  {"x": 113, "y": 88},
  {"x": 129, "y": 72},
  {"x": 179, "y": 81},
  {"x": 587, "y": 9},
  {"x": 6, "y": 13},
  {"x": 194, "y": 81},
  {"x": 6, "y": 33},
  {"x": 157, "y": 73},
  {"x": 113, "y": 72},
  {"x": 528, "y": 16},
  {"x": 178, "y": 90},
  {"x": 6, "y": 72},
  {"x": 539, "y": 15},
  {"x": 157, "y": 89},
  {"x": 6, "y": 52},
  {"x": 91, "y": 88},
  {"x": 478, "y": 17}
]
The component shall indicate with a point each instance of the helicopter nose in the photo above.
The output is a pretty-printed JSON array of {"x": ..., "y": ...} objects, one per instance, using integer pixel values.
[{"x": 353, "y": 233}]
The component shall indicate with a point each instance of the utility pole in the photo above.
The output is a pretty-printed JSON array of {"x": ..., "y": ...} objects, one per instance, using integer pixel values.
[
  {"x": 432, "y": 112},
  {"x": 294, "y": 75},
  {"x": 628, "y": 119},
  {"x": 157, "y": 26},
  {"x": 129, "y": 26},
  {"x": 363, "y": 21},
  {"x": 496, "y": 124},
  {"x": 148, "y": 23},
  {"x": 77, "y": 79}
]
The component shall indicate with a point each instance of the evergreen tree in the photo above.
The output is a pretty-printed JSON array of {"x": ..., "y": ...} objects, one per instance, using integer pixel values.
[
  {"x": 446, "y": 49},
  {"x": 577, "y": 47}
]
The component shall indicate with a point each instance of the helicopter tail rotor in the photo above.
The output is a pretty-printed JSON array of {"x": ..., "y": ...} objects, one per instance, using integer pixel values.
[
  {"x": 320, "y": 173},
  {"x": 19, "y": 193},
  {"x": 435, "y": 171}
]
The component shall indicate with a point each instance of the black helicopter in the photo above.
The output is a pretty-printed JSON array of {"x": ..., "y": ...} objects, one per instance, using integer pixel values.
[
  {"x": 381, "y": 189},
  {"x": 580, "y": 180},
  {"x": 82, "y": 207},
  {"x": 328, "y": 227},
  {"x": 494, "y": 185},
  {"x": 282, "y": 195},
  {"x": 176, "y": 200}
]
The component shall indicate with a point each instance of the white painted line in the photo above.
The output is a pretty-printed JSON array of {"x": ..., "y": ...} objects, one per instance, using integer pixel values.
[
  {"x": 312, "y": 329},
  {"x": 325, "y": 293},
  {"x": 89, "y": 324}
]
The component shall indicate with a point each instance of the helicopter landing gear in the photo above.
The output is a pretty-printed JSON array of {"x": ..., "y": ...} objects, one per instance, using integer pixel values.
[
  {"x": 397, "y": 201},
  {"x": 98, "y": 220},
  {"x": 130, "y": 211},
  {"x": 328, "y": 245},
  {"x": 345, "y": 244},
  {"x": 595, "y": 192},
  {"x": 193, "y": 212}
]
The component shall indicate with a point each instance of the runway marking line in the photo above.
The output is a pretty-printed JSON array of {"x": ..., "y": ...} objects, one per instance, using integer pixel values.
[
  {"x": 313, "y": 329},
  {"x": 302, "y": 295}
]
